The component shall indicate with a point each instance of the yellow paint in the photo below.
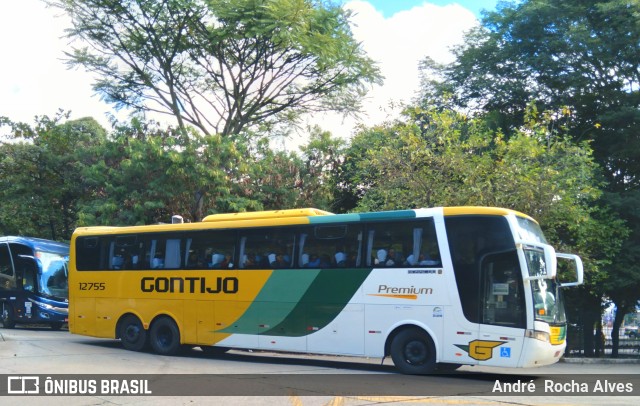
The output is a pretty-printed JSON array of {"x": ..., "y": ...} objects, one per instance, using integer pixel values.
[
  {"x": 556, "y": 337},
  {"x": 470, "y": 210},
  {"x": 482, "y": 350},
  {"x": 108, "y": 295},
  {"x": 411, "y": 297},
  {"x": 271, "y": 214}
]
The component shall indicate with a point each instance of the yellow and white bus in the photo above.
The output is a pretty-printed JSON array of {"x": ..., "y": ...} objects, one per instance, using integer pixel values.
[{"x": 432, "y": 288}]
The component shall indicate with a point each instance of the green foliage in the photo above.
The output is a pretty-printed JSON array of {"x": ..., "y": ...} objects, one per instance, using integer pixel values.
[
  {"x": 42, "y": 175},
  {"x": 574, "y": 55},
  {"x": 279, "y": 179},
  {"x": 221, "y": 66},
  {"x": 444, "y": 158},
  {"x": 322, "y": 158},
  {"x": 149, "y": 174}
]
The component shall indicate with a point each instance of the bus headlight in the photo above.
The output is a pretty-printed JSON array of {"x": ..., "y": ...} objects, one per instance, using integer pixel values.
[
  {"x": 51, "y": 308},
  {"x": 45, "y": 306},
  {"x": 538, "y": 335}
]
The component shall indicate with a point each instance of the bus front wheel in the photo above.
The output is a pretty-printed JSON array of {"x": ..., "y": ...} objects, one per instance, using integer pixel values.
[
  {"x": 413, "y": 352},
  {"x": 7, "y": 318},
  {"x": 165, "y": 336},
  {"x": 132, "y": 333}
]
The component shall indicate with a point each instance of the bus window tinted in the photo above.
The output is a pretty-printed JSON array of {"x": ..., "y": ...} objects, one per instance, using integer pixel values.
[
  {"x": 403, "y": 244},
  {"x": 471, "y": 238},
  {"x": 331, "y": 246},
  {"x": 6, "y": 268},
  {"x": 267, "y": 248},
  {"x": 211, "y": 250}
]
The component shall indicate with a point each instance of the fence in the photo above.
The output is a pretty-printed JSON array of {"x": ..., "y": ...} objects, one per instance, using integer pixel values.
[{"x": 627, "y": 347}]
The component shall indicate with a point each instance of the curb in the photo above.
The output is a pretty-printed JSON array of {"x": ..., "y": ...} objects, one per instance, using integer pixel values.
[{"x": 600, "y": 360}]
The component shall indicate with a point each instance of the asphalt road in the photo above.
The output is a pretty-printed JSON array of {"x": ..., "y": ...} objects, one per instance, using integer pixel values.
[{"x": 260, "y": 378}]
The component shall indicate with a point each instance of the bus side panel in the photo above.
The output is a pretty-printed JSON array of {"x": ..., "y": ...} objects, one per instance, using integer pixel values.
[
  {"x": 343, "y": 335},
  {"x": 106, "y": 316},
  {"x": 229, "y": 330},
  {"x": 400, "y": 296},
  {"x": 382, "y": 320},
  {"x": 82, "y": 319},
  {"x": 205, "y": 327},
  {"x": 189, "y": 325},
  {"x": 288, "y": 334},
  {"x": 460, "y": 338},
  {"x": 508, "y": 344}
]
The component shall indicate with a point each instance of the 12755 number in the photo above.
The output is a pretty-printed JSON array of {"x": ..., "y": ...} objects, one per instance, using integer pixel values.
[{"x": 92, "y": 286}]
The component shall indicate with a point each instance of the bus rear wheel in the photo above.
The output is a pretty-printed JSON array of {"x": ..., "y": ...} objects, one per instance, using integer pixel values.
[
  {"x": 165, "y": 336},
  {"x": 7, "y": 319},
  {"x": 413, "y": 352},
  {"x": 132, "y": 333}
]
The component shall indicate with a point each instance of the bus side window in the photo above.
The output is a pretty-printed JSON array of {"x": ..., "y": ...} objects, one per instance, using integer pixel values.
[
  {"x": 388, "y": 243},
  {"x": 425, "y": 251},
  {"x": 26, "y": 268},
  {"x": 330, "y": 246},
  {"x": 403, "y": 244},
  {"x": 164, "y": 253},
  {"x": 124, "y": 252},
  {"x": 267, "y": 248},
  {"x": 212, "y": 249},
  {"x": 6, "y": 268},
  {"x": 91, "y": 253}
]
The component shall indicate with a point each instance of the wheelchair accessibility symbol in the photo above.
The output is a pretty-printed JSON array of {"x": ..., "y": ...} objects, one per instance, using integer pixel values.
[{"x": 505, "y": 352}]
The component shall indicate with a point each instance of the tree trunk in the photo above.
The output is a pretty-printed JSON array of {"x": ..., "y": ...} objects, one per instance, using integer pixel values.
[
  {"x": 599, "y": 340},
  {"x": 621, "y": 310},
  {"x": 589, "y": 322},
  {"x": 52, "y": 227}
]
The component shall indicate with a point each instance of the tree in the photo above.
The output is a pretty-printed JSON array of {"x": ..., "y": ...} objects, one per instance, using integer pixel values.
[
  {"x": 43, "y": 182},
  {"x": 221, "y": 66},
  {"x": 150, "y": 173},
  {"x": 432, "y": 158},
  {"x": 322, "y": 158},
  {"x": 577, "y": 55}
]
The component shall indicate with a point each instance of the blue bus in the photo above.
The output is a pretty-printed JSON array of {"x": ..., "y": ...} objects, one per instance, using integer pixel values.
[{"x": 34, "y": 278}]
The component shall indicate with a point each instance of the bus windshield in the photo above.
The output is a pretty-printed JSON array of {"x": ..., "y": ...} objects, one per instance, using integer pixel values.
[
  {"x": 530, "y": 231},
  {"x": 548, "y": 302},
  {"x": 54, "y": 275}
]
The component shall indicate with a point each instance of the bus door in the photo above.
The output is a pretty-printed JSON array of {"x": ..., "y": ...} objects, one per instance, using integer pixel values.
[
  {"x": 503, "y": 311},
  {"x": 7, "y": 276},
  {"x": 7, "y": 285},
  {"x": 26, "y": 276}
]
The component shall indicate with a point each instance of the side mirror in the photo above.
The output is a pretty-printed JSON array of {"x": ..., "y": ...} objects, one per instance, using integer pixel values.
[{"x": 578, "y": 268}]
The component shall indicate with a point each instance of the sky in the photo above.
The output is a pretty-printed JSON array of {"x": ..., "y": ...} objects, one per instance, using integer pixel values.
[{"x": 35, "y": 81}]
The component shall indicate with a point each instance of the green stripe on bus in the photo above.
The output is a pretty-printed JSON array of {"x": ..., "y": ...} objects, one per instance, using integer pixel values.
[
  {"x": 388, "y": 215},
  {"x": 334, "y": 219},
  {"x": 323, "y": 301},
  {"x": 356, "y": 217},
  {"x": 277, "y": 298}
]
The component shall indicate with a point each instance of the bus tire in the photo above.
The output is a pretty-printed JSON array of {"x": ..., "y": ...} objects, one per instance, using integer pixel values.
[
  {"x": 165, "y": 336},
  {"x": 132, "y": 333},
  {"x": 413, "y": 352},
  {"x": 7, "y": 318}
]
